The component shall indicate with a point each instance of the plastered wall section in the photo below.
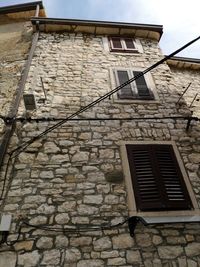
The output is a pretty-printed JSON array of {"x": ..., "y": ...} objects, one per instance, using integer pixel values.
[
  {"x": 15, "y": 38},
  {"x": 61, "y": 179}
]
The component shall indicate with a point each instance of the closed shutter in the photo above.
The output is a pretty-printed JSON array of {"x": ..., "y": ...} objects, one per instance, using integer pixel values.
[
  {"x": 156, "y": 178},
  {"x": 116, "y": 43},
  {"x": 143, "y": 91},
  {"x": 126, "y": 92},
  {"x": 129, "y": 43}
]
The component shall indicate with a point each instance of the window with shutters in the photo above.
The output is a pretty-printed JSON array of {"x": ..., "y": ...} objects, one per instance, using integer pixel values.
[
  {"x": 156, "y": 179},
  {"x": 123, "y": 44},
  {"x": 143, "y": 88}
]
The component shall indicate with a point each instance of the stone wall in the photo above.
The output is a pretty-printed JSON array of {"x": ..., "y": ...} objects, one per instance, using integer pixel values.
[
  {"x": 183, "y": 77},
  {"x": 61, "y": 179}
]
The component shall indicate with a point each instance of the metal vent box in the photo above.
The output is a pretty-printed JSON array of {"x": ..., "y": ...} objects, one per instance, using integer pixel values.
[{"x": 29, "y": 101}]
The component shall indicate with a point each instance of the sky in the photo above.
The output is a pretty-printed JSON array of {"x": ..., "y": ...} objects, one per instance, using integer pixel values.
[{"x": 180, "y": 18}]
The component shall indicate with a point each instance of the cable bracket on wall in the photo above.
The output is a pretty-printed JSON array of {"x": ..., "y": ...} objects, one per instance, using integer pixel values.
[
  {"x": 42, "y": 100},
  {"x": 183, "y": 92},
  {"x": 194, "y": 98},
  {"x": 132, "y": 223},
  {"x": 8, "y": 120},
  {"x": 189, "y": 119}
]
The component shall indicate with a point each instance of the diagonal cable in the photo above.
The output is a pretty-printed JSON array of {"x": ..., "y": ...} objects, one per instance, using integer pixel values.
[{"x": 24, "y": 145}]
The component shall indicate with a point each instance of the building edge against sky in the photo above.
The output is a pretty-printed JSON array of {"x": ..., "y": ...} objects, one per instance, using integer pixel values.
[
  {"x": 177, "y": 30},
  {"x": 70, "y": 189}
]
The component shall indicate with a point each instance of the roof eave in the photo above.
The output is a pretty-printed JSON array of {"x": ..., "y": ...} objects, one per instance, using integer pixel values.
[
  {"x": 21, "y": 7},
  {"x": 184, "y": 62},
  {"x": 94, "y": 26}
]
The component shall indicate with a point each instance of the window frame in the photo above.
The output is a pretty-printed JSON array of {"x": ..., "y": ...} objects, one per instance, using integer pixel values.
[
  {"x": 148, "y": 79},
  {"x": 123, "y": 45},
  {"x": 130, "y": 192}
]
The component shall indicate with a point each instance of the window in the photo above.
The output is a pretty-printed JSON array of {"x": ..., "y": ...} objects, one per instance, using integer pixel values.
[
  {"x": 119, "y": 44},
  {"x": 156, "y": 180},
  {"x": 139, "y": 89}
]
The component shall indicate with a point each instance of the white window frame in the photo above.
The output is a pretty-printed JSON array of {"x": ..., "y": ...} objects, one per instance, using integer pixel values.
[
  {"x": 149, "y": 81},
  {"x": 123, "y": 44},
  {"x": 130, "y": 192},
  {"x": 108, "y": 46}
]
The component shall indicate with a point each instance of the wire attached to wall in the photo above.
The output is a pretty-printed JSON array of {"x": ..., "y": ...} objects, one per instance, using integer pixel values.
[
  {"x": 5, "y": 176},
  {"x": 183, "y": 93},
  {"x": 50, "y": 119},
  {"x": 24, "y": 145},
  {"x": 77, "y": 229}
]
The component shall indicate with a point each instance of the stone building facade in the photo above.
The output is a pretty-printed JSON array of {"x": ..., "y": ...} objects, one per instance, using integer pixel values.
[{"x": 69, "y": 191}]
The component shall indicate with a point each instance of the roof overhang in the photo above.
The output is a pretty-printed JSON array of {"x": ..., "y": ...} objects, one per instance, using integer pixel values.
[
  {"x": 23, "y": 11},
  {"x": 184, "y": 62},
  {"x": 99, "y": 27}
]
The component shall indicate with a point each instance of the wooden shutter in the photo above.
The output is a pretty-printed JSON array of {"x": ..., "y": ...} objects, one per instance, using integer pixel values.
[
  {"x": 126, "y": 92},
  {"x": 143, "y": 91},
  {"x": 129, "y": 43},
  {"x": 156, "y": 178},
  {"x": 116, "y": 43}
]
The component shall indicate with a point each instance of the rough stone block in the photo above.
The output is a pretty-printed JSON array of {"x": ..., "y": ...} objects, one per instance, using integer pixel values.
[
  {"x": 72, "y": 255},
  {"x": 102, "y": 244},
  {"x": 90, "y": 263},
  {"x": 29, "y": 259},
  {"x": 51, "y": 256},
  {"x": 45, "y": 242},
  {"x": 170, "y": 252},
  {"x": 133, "y": 256},
  {"x": 192, "y": 249},
  {"x": 122, "y": 241},
  {"x": 8, "y": 259}
]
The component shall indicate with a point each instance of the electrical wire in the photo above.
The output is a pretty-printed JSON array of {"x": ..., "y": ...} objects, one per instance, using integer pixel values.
[
  {"x": 5, "y": 176},
  {"x": 43, "y": 119},
  {"x": 79, "y": 229},
  {"x": 6, "y": 234},
  {"x": 24, "y": 145},
  {"x": 11, "y": 243},
  {"x": 28, "y": 143}
]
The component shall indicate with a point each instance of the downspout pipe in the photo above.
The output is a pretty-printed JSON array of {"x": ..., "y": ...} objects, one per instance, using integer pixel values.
[{"x": 10, "y": 126}]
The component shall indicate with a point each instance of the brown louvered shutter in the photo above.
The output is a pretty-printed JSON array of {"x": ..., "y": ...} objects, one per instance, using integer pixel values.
[
  {"x": 143, "y": 91},
  {"x": 116, "y": 43},
  {"x": 156, "y": 177},
  {"x": 129, "y": 43},
  {"x": 126, "y": 92}
]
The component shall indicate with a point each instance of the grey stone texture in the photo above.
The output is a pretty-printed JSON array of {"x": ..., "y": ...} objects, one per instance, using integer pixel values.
[
  {"x": 29, "y": 259},
  {"x": 169, "y": 252},
  {"x": 60, "y": 181},
  {"x": 8, "y": 259}
]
